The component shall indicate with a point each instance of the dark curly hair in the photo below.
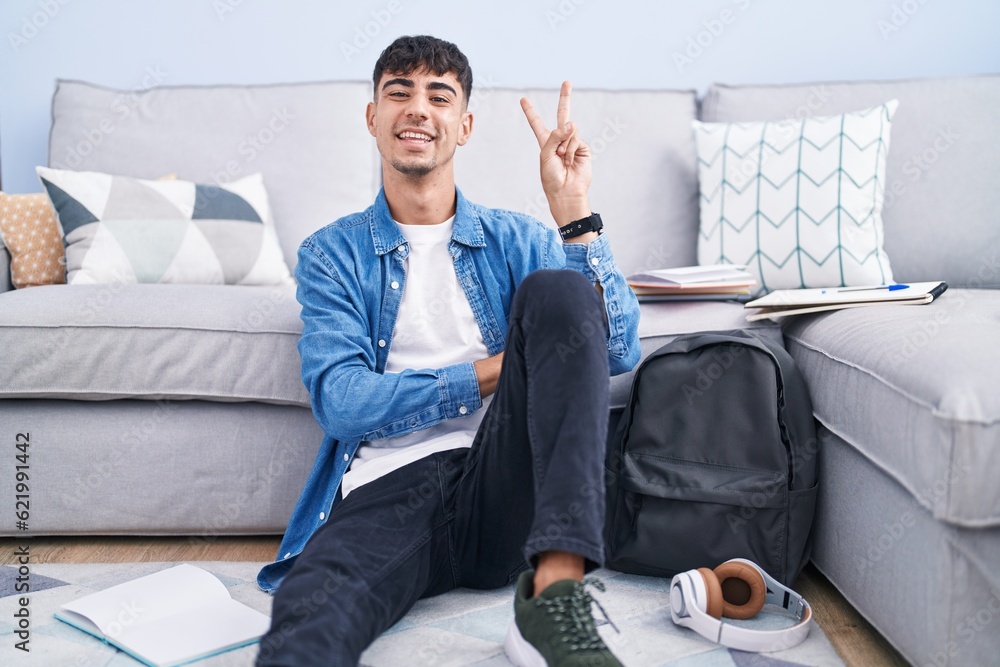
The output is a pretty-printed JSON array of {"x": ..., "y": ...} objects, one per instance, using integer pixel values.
[{"x": 413, "y": 52}]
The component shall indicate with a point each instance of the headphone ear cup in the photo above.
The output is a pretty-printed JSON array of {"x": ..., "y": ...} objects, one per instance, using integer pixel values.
[
  {"x": 741, "y": 588},
  {"x": 714, "y": 602}
]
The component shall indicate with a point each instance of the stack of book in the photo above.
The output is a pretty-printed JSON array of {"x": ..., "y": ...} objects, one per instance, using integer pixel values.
[{"x": 717, "y": 282}]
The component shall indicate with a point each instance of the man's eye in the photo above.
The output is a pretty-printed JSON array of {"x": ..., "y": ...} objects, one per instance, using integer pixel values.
[
  {"x": 439, "y": 99},
  {"x": 397, "y": 93}
]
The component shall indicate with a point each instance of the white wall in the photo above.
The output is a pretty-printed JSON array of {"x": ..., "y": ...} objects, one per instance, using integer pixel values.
[{"x": 596, "y": 43}]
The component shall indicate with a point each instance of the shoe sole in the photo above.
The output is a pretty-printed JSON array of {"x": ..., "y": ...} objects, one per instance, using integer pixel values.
[{"x": 519, "y": 651}]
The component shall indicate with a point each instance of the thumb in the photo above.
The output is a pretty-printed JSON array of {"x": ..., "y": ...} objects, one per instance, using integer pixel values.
[{"x": 565, "y": 132}]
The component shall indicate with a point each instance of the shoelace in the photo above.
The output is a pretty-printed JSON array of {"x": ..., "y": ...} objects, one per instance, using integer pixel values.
[{"x": 572, "y": 614}]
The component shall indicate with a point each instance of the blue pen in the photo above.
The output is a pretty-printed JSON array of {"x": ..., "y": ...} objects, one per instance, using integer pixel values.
[{"x": 891, "y": 288}]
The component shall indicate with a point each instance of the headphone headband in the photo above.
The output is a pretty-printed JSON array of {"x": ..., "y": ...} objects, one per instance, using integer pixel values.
[{"x": 688, "y": 604}]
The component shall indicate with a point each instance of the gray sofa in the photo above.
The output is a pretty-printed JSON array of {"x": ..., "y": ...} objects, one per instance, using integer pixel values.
[{"x": 178, "y": 409}]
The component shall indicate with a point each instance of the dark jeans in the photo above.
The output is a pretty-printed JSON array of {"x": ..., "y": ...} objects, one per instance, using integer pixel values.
[{"x": 532, "y": 482}]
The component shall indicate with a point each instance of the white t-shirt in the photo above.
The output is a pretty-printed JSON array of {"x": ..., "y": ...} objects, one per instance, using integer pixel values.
[{"x": 435, "y": 327}]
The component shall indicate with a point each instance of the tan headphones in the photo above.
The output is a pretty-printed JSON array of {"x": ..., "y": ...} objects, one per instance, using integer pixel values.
[{"x": 736, "y": 589}]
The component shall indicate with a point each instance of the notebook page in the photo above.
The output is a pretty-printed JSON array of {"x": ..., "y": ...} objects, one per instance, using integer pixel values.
[
  {"x": 146, "y": 599},
  {"x": 206, "y": 630}
]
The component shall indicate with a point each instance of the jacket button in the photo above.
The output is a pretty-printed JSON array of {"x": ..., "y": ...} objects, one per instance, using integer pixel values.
[
  {"x": 322, "y": 515},
  {"x": 462, "y": 409},
  {"x": 595, "y": 261},
  {"x": 346, "y": 457},
  {"x": 288, "y": 554},
  {"x": 394, "y": 285},
  {"x": 381, "y": 343}
]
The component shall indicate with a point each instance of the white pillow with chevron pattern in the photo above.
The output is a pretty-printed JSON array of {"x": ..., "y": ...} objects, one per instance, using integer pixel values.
[{"x": 798, "y": 201}]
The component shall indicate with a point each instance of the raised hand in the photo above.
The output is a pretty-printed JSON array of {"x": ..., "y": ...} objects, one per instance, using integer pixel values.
[{"x": 565, "y": 160}]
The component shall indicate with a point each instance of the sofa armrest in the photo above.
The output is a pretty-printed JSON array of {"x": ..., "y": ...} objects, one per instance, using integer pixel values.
[{"x": 5, "y": 284}]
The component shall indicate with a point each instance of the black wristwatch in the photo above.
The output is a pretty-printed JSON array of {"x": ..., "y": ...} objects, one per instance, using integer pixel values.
[{"x": 592, "y": 223}]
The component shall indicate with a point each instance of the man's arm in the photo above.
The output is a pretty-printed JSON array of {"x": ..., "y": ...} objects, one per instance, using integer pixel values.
[
  {"x": 349, "y": 399},
  {"x": 566, "y": 172},
  {"x": 566, "y": 167}
]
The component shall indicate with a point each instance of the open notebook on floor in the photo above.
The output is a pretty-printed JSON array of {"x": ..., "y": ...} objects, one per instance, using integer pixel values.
[
  {"x": 167, "y": 618},
  {"x": 781, "y": 303}
]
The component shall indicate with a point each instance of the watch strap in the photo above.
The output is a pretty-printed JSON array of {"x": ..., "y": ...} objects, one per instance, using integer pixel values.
[{"x": 592, "y": 223}]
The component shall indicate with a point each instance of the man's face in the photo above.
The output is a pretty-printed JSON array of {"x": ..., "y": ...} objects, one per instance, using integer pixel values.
[{"x": 418, "y": 119}]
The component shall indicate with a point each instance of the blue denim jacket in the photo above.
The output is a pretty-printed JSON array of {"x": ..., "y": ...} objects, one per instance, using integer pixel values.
[{"x": 350, "y": 282}]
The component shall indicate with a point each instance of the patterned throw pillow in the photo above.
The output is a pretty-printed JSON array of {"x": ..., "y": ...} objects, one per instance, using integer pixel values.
[
  {"x": 30, "y": 232},
  {"x": 128, "y": 230},
  {"x": 799, "y": 202}
]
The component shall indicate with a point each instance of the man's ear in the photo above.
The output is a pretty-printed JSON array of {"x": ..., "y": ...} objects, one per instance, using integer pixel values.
[
  {"x": 465, "y": 129},
  {"x": 370, "y": 118}
]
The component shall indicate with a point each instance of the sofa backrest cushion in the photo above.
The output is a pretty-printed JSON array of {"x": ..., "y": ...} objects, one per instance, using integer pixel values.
[
  {"x": 645, "y": 180},
  {"x": 309, "y": 140},
  {"x": 941, "y": 198}
]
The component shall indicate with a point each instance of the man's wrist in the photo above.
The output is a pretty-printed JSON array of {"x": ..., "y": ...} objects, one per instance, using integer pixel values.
[{"x": 565, "y": 211}]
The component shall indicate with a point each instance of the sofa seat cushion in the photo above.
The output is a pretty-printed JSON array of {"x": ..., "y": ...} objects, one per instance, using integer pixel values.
[
  {"x": 660, "y": 323},
  {"x": 914, "y": 389},
  {"x": 98, "y": 342}
]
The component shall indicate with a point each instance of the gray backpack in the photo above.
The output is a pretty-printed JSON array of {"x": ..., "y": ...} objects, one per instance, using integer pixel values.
[{"x": 714, "y": 458}]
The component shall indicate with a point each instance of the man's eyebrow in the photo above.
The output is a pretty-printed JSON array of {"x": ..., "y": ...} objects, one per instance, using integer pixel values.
[
  {"x": 433, "y": 85},
  {"x": 441, "y": 85},
  {"x": 402, "y": 81}
]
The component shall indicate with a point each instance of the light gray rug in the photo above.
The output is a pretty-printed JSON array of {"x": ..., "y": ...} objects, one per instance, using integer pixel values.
[{"x": 463, "y": 627}]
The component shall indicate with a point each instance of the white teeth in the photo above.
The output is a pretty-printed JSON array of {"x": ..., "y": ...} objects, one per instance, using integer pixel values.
[{"x": 414, "y": 135}]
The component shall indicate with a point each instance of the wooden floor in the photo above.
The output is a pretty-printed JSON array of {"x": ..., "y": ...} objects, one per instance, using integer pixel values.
[{"x": 852, "y": 636}]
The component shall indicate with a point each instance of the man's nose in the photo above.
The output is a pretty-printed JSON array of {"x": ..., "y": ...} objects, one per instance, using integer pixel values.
[{"x": 417, "y": 107}]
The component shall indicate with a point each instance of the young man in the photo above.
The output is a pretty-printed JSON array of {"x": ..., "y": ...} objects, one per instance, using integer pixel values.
[{"x": 457, "y": 358}]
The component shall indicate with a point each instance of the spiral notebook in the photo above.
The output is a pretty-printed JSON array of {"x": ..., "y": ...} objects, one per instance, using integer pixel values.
[{"x": 782, "y": 303}]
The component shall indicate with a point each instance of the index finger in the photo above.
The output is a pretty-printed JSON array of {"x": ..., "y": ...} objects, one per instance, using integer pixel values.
[
  {"x": 535, "y": 121},
  {"x": 562, "y": 111}
]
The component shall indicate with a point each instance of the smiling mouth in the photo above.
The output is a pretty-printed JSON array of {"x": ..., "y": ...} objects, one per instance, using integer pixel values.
[{"x": 415, "y": 136}]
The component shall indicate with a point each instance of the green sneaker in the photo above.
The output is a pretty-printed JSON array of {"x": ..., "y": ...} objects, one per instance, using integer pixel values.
[{"x": 556, "y": 628}]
